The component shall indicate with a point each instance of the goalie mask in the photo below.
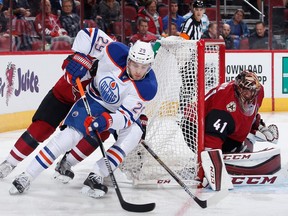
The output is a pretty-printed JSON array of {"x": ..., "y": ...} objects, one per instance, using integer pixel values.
[
  {"x": 247, "y": 87},
  {"x": 139, "y": 60}
]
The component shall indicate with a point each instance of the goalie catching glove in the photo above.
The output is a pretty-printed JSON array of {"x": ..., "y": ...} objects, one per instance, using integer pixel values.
[
  {"x": 100, "y": 123},
  {"x": 76, "y": 65},
  {"x": 263, "y": 133}
]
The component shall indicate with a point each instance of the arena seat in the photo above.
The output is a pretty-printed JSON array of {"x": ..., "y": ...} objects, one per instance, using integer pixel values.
[
  {"x": 117, "y": 26},
  {"x": 163, "y": 11},
  {"x": 130, "y": 13},
  {"x": 244, "y": 44},
  {"x": 211, "y": 13}
]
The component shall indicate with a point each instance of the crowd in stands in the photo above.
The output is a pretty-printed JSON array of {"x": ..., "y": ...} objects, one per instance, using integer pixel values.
[{"x": 145, "y": 20}]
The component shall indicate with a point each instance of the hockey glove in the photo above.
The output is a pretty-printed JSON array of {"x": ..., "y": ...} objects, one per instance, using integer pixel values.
[
  {"x": 99, "y": 123},
  {"x": 269, "y": 133},
  {"x": 144, "y": 120},
  {"x": 77, "y": 66},
  {"x": 263, "y": 133},
  {"x": 257, "y": 123}
]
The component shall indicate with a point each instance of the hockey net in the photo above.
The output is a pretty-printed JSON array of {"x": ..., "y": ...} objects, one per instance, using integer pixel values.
[{"x": 185, "y": 70}]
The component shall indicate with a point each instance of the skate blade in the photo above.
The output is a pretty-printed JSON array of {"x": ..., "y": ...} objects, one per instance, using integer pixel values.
[
  {"x": 14, "y": 191},
  {"x": 2, "y": 175},
  {"x": 61, "y": 178},
  {"x": 92, "y": 193}
]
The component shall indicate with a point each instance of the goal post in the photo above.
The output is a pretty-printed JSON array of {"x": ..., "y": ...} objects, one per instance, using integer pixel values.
[{"x": 185, "y": 71}]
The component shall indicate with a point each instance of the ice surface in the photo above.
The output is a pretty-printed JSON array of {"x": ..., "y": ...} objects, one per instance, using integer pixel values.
[{"x": 47, "y": 197}]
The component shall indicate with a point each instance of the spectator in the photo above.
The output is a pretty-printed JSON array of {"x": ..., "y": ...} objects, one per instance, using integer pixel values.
[
  {"x": 229, "y": 42},
  {"x": 192, "y": 27},
  {"x": 155, "y": 24},
  {"x": 34, "y": 7},
  {"x": 57, "y": 5},
  {"x": 91, "y": 13},
  {"x": 90, "y": 9},
  {"x": 109, "y": 10},
  {"x": 259, "y": 39},
  {"x": 174, "y": 31},
  {"x": 143, "y": 34},
  {"x": 175, "y": 17},
  {"x": 22, "y": 28},
  {"x": 21, "y": 8},
  {"x": 3, "y": 19},
  {"x": 211, "y": 32},
  {"x": 239, "y": 29},
  {"x": 69, "y": 20},
  {"x": 204, "y": 19},
  {"x": 52, "y": 26}
]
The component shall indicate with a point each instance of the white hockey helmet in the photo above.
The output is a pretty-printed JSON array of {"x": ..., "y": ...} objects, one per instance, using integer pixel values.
[{"x": 141, "y": 52}]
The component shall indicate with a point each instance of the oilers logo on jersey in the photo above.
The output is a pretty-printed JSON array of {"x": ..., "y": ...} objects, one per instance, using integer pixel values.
[{"x": 109, "y": 90}]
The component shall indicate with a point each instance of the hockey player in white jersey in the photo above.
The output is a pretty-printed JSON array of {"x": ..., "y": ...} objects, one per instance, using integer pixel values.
[
  {"x": 87, "y": 48},
  {"x": 117, "y": 96}
]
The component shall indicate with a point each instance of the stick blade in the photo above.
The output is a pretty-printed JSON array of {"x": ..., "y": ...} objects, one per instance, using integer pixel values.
[
  {"x": 217, "y": 197},
  {"x": 213, "y": 200},
  {"x": 138, "y": 207}
]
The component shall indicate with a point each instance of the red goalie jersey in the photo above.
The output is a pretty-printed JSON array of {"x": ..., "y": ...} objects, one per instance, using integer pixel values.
[{"x": 230, "y": 110}]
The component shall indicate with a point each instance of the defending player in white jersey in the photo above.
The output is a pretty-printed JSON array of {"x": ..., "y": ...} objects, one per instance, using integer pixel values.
[
  {"x": 87, "y": 48},
  {"x": 117, "y": 96}
]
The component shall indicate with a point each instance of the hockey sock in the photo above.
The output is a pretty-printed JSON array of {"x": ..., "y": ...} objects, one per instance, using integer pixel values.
[
  {"x": 38, "y": 131},
  {"x": 83, "y": 149},
  {"x": 115, "y": 155},
  {"x": 23, "y": 147}
]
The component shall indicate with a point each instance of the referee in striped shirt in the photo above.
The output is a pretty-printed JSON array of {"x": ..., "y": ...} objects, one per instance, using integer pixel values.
[{"x": 192, "y": 28}]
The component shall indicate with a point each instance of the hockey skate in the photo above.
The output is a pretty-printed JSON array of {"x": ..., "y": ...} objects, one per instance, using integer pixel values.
[
  {"x": 63, "y": 172},
  {"x": 93, "y": 186},
  {"x": 20, "y": 184},
  {"x": 5, "y": 169}
]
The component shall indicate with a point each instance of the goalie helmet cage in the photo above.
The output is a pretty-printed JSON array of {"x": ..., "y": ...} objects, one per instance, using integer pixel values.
[{"x": 185, "y": 71}]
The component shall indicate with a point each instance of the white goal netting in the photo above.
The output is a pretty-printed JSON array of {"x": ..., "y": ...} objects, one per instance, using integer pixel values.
[{"x": 173, "y": 130}]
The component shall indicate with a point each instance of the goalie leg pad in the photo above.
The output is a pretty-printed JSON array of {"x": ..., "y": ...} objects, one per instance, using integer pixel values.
[
  {"x": 215, "y": 171},
  {"x": 263, "y": 162}
]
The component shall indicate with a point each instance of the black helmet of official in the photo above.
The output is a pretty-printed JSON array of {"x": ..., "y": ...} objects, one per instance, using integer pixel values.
[{"x": 198, "y": 4}]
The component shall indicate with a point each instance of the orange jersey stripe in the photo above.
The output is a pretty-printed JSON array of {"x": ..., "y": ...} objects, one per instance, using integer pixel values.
[
  {"x": 115, "y": 154},
  {"x": 45, "y": 158}
]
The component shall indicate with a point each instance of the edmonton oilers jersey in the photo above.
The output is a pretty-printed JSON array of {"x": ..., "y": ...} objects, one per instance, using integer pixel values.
[
  {"x": 91, "y": 41},
  {"x": 113, "y": 88}
]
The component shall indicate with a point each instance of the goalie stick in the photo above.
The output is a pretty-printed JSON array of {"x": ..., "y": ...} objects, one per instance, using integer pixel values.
[
  {"x": 125, "y": 205},
  {"x": 202, "y": 203}
]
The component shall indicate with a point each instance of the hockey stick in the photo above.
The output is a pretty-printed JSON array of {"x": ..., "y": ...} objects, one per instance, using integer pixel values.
[
  {"x": 202, "y": 203},
  {"x": 125, "y": 205}
]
